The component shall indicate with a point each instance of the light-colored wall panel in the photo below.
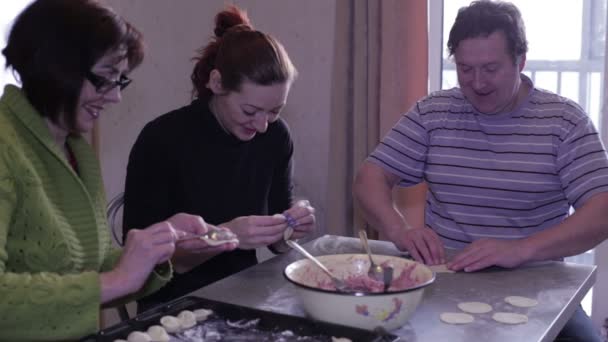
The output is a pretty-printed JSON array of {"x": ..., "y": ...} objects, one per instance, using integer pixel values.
[{"x": 175, "y": 29}]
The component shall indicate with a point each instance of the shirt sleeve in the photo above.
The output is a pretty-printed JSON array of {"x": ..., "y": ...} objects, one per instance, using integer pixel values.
[
  {"x": 158, "y": 278},
  {"x": 581, "y": 162},
  {"x": 42, "y": 305},
  {"x": 403, "y": 150}
]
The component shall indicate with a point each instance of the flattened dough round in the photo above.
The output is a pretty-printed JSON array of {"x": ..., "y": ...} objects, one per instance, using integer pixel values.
[
  {"x": 510, "y": 318},
  {"x": 456, "y": 318},
  {"x": 475, "y": 307},
  {"x": 522, "y": 302}
]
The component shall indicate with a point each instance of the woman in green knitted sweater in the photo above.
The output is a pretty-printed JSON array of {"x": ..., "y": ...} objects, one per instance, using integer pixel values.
[{"x": 57, "y": 266}]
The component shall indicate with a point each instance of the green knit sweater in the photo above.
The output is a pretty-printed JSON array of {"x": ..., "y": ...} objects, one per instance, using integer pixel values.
[{"x": 54, "y": 238}]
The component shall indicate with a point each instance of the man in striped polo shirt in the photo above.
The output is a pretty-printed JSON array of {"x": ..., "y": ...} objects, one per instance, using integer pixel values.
[{"x": 503, "y": 160}]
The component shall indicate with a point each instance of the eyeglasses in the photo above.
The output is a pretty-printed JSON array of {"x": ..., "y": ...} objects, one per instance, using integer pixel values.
[{"x": 103, "y": 85}]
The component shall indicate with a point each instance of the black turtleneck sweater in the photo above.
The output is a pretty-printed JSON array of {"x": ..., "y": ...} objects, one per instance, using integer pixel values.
[{"x": 184, "y": 161}]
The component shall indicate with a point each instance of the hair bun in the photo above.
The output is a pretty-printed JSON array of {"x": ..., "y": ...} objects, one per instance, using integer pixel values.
[{"x": 232, "y": 18}]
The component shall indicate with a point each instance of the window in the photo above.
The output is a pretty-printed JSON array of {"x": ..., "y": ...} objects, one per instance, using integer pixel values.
[
  {"x": 564, "y": 58},
  {"x": 8, "y": 12}
]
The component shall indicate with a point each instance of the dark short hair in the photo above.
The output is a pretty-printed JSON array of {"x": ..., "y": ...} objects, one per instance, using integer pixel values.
[
  {"x": 484, "y": 17},
  {"x": 54, "y": 43},
  {"x": 240, "y": 53}
]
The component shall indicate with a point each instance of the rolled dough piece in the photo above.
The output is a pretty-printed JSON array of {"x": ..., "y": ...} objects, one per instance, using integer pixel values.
[
  {"x": 440, "y": 269},
  {"x": 456, "y": 318},
  {"x": 510, "y": 318},
  {"x": 522, "y": 302},
  {"x": 475, "y": 307}
]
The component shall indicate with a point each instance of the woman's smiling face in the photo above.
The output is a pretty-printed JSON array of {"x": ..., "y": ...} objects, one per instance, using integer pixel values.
[
  {"x": 248, "y": 112},
  {"x": 92, "y": 102}
]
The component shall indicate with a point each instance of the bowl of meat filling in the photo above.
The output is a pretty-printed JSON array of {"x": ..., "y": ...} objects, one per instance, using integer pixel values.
[{"x": 366, "y": 303}]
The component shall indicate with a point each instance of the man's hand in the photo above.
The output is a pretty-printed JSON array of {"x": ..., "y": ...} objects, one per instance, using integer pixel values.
[
  {"x": 490, "y": 252},
  {"x": 423, "y": 244}
]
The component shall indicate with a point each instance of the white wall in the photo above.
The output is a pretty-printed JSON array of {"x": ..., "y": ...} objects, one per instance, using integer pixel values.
[{"x": 173, "y": 30}]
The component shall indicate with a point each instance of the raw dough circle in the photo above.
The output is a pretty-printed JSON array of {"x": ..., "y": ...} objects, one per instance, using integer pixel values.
[
  {"x": 522, "y": 302},
  {"x": 510, "y": 318},
  {"x": 456, "y": 318},
  {"x": 475, "y": 307}
]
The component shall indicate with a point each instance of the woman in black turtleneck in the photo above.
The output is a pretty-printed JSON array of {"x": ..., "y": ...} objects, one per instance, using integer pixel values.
[{"x": 227, "y": 156}]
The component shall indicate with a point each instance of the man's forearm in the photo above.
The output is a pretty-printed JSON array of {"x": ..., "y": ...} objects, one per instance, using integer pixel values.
[
  {"x": 585, "y": 229},
  {"x": 373, "y": 195}
]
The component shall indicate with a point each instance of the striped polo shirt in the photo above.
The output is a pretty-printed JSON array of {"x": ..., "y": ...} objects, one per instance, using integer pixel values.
[{"x": 496, "y": 176}]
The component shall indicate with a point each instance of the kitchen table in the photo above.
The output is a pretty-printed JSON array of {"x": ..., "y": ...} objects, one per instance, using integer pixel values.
[{"x": 558, "y": 286}]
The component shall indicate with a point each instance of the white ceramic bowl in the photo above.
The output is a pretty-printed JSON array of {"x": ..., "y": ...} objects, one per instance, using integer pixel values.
[{"x": 389, "y": 310}]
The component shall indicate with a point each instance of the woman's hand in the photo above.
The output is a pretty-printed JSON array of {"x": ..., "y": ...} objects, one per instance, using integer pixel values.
[
  {"x": 190, "y": 253},
  {"x": 303, "y": 216},
  {"x": 257, "y": 231},
  {"x": 143, "y": 250},
  {"x": 301, "y": 219}
]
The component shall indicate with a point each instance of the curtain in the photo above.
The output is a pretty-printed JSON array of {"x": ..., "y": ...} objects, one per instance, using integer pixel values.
[
  {"x": 599, "y": 304},
  {"x": 380, "y": 70}
]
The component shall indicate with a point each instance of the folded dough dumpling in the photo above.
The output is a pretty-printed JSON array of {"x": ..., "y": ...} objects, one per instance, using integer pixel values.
[
  {"x": 158, "y": 334},
  {"x": 138, "y": 336},
  {"x": 187, "y": 319},
  {"x": 202, "y": 314},
  {"x": 171, "y": 324}
]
